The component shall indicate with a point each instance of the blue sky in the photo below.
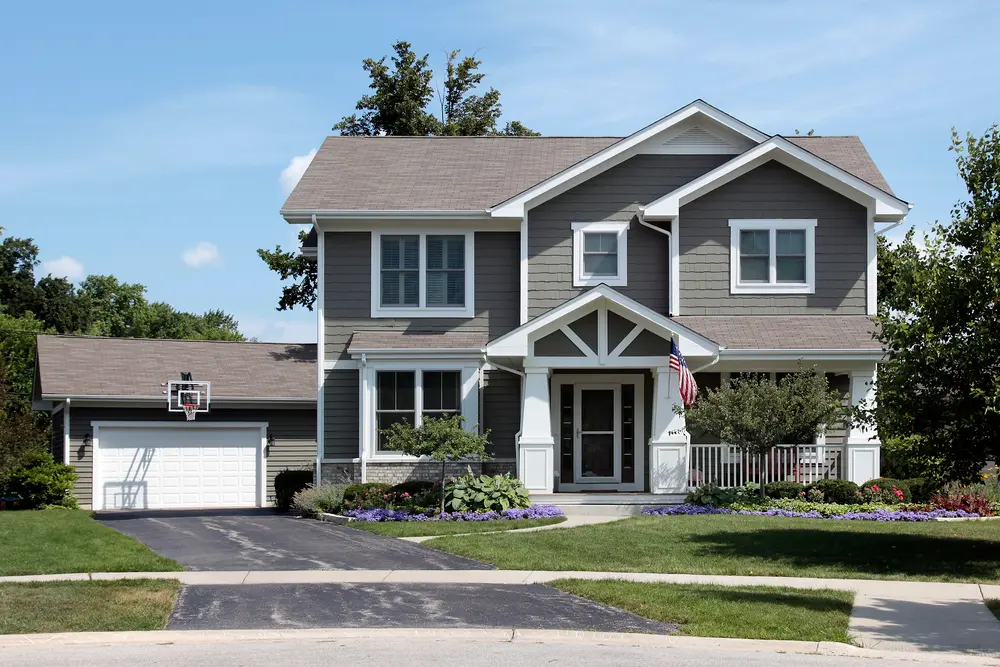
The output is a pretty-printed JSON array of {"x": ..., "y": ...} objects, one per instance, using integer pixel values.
[{"x": 149, "y": 142}]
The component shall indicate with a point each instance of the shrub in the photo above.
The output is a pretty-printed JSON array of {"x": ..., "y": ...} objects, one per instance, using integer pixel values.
[
  {"x": 711, "y": 494},
  {"x": 842, "y": 491},
  {"x": 314, "y": 500},
  {"x": 813, "y": 495},
  {"x": 792, "y": 490},
  {"x": 966, "y": 502},
  {"x": 486, "y": 493},
  {"x": 885, "y": 485},
  {"x": 921, "y": 489},
  {"x": 40, "y": 481},
  {"x": 286, "y": 484},
  {"x": 412, "y": 487},
  {"x": 355, "y": 491}
]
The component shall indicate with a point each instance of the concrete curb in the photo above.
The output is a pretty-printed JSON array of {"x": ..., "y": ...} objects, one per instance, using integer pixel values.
[{"x": 485, "y": 634}]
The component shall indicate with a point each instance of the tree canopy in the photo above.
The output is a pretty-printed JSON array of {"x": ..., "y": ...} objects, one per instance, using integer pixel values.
[
  {"x": 402, "y": 103},
  {"x": 939, "y": 391}
]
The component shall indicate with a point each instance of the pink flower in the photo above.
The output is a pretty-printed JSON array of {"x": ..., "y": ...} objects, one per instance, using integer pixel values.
[{"x": 875, "y": 488}]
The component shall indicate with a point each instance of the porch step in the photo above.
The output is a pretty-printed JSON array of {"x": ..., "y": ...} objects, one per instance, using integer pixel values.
[{"x": 606, "y": 504}]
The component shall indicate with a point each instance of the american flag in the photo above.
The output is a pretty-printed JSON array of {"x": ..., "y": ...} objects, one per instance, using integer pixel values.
[{"x": 689, "y": 390}]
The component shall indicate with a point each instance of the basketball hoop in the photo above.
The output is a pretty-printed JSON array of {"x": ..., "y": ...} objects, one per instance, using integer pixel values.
[{"x": 190, "y": 410}]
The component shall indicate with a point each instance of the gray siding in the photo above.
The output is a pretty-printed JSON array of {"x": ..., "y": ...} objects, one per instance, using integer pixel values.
[
  {"x": 342, "y": 429},
  {"x": 502, "y": 411},
  {"x": 615, "y": 195},
  {"x": 347, "y": 306},
  {"x": 773, "y": 191},
  {"x": 57, "y": 437},
  {"x": 556, "y": 344},
  {"x": 294, "y": 432}
]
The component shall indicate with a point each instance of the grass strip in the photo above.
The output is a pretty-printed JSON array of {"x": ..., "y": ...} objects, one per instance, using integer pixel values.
[{"x": 431, "y": 528}]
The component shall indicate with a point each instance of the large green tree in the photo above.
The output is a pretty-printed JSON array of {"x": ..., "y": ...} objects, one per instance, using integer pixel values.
[
  {"x": 939, "y": 390},
  {"x": 402, "y": 103}
]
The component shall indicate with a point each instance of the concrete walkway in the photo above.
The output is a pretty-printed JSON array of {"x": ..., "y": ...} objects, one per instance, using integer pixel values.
[
  {"x": 572, "y": 521},
  {"x": 888, "y": 615}
]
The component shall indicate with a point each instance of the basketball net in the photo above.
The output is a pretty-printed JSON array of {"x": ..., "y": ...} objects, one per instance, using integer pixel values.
[{"x": 190, "y": 410}]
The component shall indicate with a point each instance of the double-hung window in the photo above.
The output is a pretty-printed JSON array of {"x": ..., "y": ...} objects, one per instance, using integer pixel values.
[
  {"x": 600, "y": 253},
  {"x": 414, "y": 395},
  {"x": 422, "y": 275},
  {"x": 772, "y": 256}
]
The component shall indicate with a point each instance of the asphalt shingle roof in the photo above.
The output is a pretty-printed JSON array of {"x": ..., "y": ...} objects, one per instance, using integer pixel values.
[
  {"x": 475, "y": 173},
  {"x": 363, "y": 341},
  {"x": 90, "y": 366},
  {"x": 785, "y": 332}
]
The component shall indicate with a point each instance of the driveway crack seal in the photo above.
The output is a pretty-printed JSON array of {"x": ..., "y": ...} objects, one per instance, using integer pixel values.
[{"x": 245, "y": 577}]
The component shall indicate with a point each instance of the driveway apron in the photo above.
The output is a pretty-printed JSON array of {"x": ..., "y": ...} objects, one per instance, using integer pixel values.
[{"x": 254, "y": 540}]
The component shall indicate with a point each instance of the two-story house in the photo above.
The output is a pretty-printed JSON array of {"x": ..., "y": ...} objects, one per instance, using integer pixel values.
[{"x": 535, "y": 284}]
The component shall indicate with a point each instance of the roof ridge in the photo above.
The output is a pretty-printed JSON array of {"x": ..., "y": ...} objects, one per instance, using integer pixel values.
[
  {"x": 479, "y": 136},
  {"x": 166, "y": 340}
]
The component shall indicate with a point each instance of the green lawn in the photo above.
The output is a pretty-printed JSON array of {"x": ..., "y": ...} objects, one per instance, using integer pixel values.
[
  {"x": 56, "y": 541},
  {"x": 422, "y": 528},
  {"x": 748, "y": 612},
  {"x": 86, "y": 606},
  {"x": 751, "y": 545}
]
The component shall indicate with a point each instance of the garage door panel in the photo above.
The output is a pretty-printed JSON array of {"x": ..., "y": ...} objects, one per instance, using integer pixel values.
[{"x": 169, "y": 467}]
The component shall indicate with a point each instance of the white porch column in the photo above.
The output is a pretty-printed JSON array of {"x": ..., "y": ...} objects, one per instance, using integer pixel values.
[
  {"x": 670, "y": 444},
  {"x": 863, "y": 446},
  {"x": 536, "y": 447}
]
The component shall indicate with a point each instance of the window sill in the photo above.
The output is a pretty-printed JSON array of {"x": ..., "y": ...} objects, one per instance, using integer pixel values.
[
  {"x": 465, "y": 312},
  {"x": 772, "y": 288},
  {"x": 604, "y": 280}
]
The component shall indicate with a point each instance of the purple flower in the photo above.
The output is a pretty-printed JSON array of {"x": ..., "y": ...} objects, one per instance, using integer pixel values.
[{"x": 533, "y": 512}]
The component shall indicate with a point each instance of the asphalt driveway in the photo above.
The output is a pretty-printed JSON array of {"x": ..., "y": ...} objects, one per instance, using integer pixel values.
[
  {"x": 279, "y": 606},
  {"x": 263, "y": 540}
]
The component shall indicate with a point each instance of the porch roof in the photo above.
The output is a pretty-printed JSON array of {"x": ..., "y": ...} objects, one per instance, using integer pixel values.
[
  {"x": 384, "y": 341},
  {"x": 785, "y": 332}
]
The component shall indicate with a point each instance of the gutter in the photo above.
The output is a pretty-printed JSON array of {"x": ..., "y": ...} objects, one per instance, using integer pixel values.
[
  {"x": 311, "y": 215},
  {"x": 891, "y": 227}
]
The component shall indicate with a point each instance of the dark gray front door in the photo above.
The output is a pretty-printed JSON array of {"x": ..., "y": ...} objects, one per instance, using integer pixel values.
[{"x": 598, "y": 434}]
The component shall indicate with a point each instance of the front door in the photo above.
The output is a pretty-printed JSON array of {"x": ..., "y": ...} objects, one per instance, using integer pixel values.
[{"x": 597, "y": 441}]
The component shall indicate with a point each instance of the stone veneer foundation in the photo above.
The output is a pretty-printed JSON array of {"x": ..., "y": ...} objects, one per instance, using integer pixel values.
[{"x": 394, "y": 473}]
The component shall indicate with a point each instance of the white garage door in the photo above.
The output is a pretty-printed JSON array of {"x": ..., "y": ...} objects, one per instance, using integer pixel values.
[{"x": 178, "y": 466}]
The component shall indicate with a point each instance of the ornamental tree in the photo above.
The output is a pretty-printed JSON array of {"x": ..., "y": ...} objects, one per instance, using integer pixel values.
[
  {"x": 756, "y": 415},
  {"x": 443, "y": 440},
  {"x": 939, "y": 391}
]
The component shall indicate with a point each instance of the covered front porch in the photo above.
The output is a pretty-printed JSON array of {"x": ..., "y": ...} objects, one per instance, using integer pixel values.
[{"x": 600, "y": 407}]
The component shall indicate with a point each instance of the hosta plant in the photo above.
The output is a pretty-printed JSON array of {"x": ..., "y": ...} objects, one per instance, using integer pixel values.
[{"x": 486, "y": 493}]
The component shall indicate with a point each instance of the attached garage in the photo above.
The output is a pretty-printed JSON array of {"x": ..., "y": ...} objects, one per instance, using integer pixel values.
[
  {"x": 111, "y": 421},
  {"x": 148, "y": 465}
]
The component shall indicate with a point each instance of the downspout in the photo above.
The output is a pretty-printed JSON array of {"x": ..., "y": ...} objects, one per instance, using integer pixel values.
[
  {"x": 66, "y": 440},
  {"x": 708, "y": 365},
  {"x": 365, "y": 406},
  {"x": 890, "y": 227},
  {"x": 640, "y": 216}
]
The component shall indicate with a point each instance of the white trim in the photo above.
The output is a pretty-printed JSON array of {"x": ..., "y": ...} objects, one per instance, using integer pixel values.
[
  {"x": 517, "y": 342},
  {"x": 423, "y": 310},
  {"x": 626, "y": 341},
  {"x": 638, "y": 435},
  {"x": 66, "y": 438},
  {"x": 871, "y": 270},
  {"x": 409, "y": 353},
  {"x": 340, "y": 460},
  {"x": 772, "y": 286},
  {"x": 321, "y": 352},
  {"x": 97, "y": 499},
  {"x": 579, "y": 342},
  {"x": 340, "y": 364},
  {"x": 524, "y": 269},
  {"x": 887, "y": 206},
  {"x": 806, "y": 354},
  {"x": 674, "y": 302},
  {"x": 516, "y": 206},
  {"x": 297, "y": 215},
  {"x": 580, "y": 277}
]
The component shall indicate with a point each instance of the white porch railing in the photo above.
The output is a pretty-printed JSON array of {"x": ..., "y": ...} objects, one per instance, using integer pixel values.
[{"x": 728, "y": 466}]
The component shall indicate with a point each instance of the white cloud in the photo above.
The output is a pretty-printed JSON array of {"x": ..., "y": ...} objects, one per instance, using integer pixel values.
[
  {"x": 64, "y": 267},
  {"x": 202, "y": 254},
  {"x": 291, "y": 174}
]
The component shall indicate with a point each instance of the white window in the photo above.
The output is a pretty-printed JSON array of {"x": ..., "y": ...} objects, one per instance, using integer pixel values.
[
  {"x": 772, "y": 256},
  {"x": 413, "y": 395},
  {"x": 600, "y": 253},
  {"x": 427, "y": 274}
]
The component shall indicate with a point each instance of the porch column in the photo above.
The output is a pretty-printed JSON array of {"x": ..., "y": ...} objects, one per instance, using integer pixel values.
[
  {"x": 536, "y": 447},
  {"x": 670, "y": 443},
  {"x": 863, "y": 446}
]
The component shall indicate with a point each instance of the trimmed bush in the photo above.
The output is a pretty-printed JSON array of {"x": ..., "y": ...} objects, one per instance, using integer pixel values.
[
  {"x": 314, "y": 500},
  {"x": 921, "y": 489},
  {"x": 840, "y": 491},
  {"x": 886, "y": 483},
  {"x": 711, "y": 494},
  {"x": 40, "y": 482},
  {"x": 413, "y": 487},
  {"x": 791, "y": 490},
  {"x": 286, "y": 484},
  {"x": 355, "y": 491}
]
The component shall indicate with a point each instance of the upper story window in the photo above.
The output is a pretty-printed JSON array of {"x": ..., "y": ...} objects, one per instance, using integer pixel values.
[
  {"x": 772, "y": 256},
  {"x": 422, "y": 275},
  {"x": 600, "y": 253}
]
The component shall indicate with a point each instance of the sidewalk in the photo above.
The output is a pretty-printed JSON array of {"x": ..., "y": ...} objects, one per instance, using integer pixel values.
[
  {"x": 888, "y": 615},
  {"x": 572, "y": 521}
]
